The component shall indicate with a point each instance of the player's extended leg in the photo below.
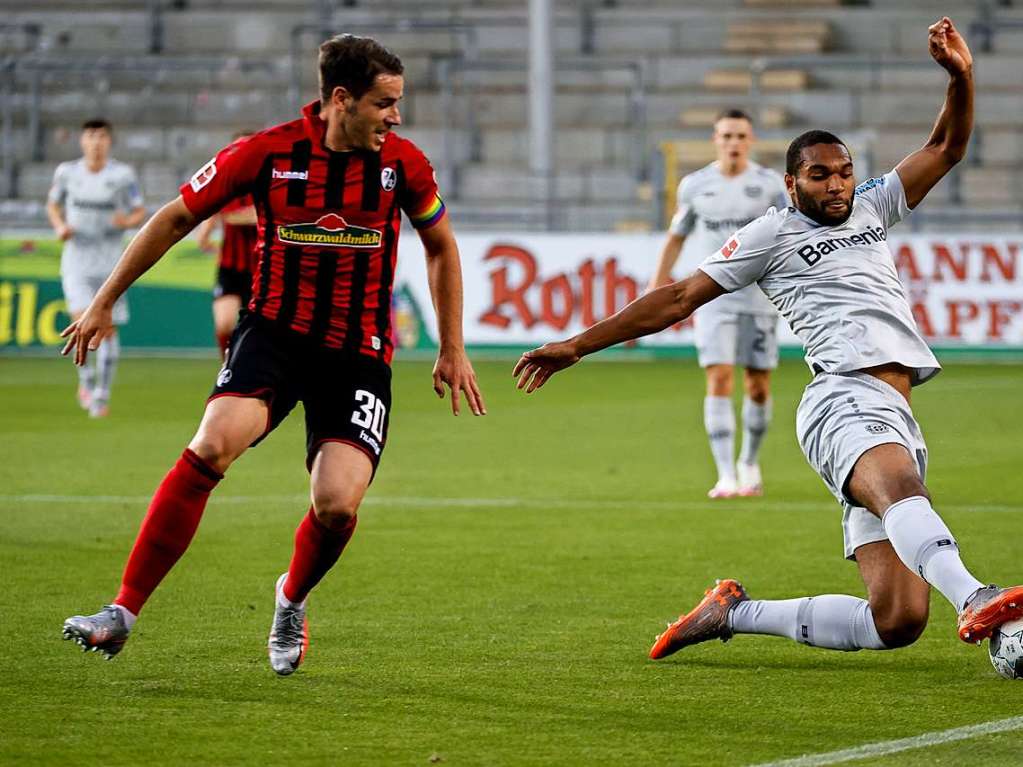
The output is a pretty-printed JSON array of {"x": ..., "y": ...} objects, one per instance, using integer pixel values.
[
  {"x": 719, "y": 421},
  {"x": 228, "y": 427},
  {"x": 107, "y": 356},
  {"x": 756, "y": 417},
  {"x": 340, "y": 476},
  {"x": 886, "y": 482},
  {"x": 225, "y": 317}
]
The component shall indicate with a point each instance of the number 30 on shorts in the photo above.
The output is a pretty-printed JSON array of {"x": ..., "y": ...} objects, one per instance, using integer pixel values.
[{"x": 371, "y": 413}]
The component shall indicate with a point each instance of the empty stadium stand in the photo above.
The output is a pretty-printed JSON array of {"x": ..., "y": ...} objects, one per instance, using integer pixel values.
[{"x": 638, "y": 85}]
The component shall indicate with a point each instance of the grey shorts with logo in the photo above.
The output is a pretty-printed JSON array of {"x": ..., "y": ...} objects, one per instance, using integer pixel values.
[
  {"x": 842, "y": 416},
  {"x": 748, "y": 340},
  {"x": 79, "y": 290}
]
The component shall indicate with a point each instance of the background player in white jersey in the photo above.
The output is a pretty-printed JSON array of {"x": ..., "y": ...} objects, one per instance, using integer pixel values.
[
  {"x": 826, "y": 266},
  {"x": 740, "y": 327},
  {"x": 92, "y": 201}
]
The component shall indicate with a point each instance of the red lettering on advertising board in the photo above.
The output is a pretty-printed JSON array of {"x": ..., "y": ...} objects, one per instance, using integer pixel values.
[
  {"x": 993, "y": 257},
  {"x": 503, "y": 294},
  {"x": 923, "y": 319},
  {"x": 958, "y": 313},
  {"x": 945, "y": 260},
  {"x": 905, "y": 263},
  {"x": 1000, "y": 314},
  {"x": 557, "y": 300}
]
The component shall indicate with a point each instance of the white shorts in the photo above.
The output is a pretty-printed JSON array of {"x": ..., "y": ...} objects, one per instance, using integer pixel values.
[
  {"x": 79, "y": 290},
  {"x": 748, "y": 340},
  {"x": 842, "y": 416}
]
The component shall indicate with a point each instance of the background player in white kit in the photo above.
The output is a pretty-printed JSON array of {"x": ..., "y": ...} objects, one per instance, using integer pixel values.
[
  {"x": 739, "y": 327},
  {"x": 92, "y": 201},
  {"x": 825, "y": 264}
]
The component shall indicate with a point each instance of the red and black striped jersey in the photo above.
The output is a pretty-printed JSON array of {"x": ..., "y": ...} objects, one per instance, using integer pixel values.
[
  {"x": 328, "y": 226},
  {"x": 238, "y": 249}
]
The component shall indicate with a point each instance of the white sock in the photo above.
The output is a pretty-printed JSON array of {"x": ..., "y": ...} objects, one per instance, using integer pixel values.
[
  {"x": 755, "y": 420},
  {"x": 831, "y": 621},
  {"x": 926, "y": 546},
  {"x": 87, "y": 376},
  {"x": 719, "y": 421},
  {"x": 106, "y": 365},
  {"x": 128, "y": 616}
]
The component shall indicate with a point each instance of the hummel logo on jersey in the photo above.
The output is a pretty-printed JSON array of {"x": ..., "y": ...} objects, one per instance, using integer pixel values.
[
  {"x": 753, "y": 191},
  {"x": 291, "y": 175},
  {"x": 730, "y": 247},
  {"x": 224, "y": 377},
  {"x": 813, "y": 253},
  {"x": 330, "y": 230},
  {"x": 877, "y": 428}
]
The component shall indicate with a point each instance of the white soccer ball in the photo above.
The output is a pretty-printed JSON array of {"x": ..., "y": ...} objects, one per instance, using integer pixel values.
[{"x": 1006, "y": 649}]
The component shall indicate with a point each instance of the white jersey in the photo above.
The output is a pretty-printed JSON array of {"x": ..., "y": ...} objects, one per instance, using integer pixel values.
[
  {"x": 90, "y": 201},
  {"x": 711, "y": 206},
  {"x": 837, "y": 286}
]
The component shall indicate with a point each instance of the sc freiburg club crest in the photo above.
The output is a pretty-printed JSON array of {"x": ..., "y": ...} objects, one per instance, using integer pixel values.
[{"x": 330, "y": 230}]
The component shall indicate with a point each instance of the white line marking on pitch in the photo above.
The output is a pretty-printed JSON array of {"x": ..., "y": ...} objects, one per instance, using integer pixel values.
[
  {"x": 883, "y": 748},
  {"x": 533, "y": 503}
]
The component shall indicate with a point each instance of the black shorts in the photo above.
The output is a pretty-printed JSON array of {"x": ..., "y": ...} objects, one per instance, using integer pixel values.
[
  {"x": 233, "y": 282},
  {"x": 347, "y": 398}
]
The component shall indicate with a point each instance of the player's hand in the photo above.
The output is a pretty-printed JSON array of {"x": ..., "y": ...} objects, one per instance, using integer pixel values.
[
  {"x": 948, "y": 48},
  {"x": 84, "y": 335},
  {"x": 454, "y": 369},
  {"x": 65, "y": 233},
  {"x": 206, "y": 245},
  {"x": 535, "y": 367}
]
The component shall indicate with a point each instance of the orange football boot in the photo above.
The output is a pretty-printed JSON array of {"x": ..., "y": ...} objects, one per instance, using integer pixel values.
[
  {"x": 988, "y": 609},
  {"x": 708, "y": 620}
]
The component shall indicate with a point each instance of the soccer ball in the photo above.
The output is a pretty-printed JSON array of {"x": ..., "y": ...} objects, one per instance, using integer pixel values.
[{"x": 1006, "y": 649}]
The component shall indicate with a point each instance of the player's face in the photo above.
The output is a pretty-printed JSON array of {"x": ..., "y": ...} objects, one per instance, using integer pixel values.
[
  {"x": 824, "y": 184},
  {"x": 369, "y": 119},
  {"x": 95, "y": 143},
  {"x": 732, "y": 138}
]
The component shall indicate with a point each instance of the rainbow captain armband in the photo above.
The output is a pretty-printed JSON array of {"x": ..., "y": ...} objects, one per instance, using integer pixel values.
[{"x": 428, "y": 215}]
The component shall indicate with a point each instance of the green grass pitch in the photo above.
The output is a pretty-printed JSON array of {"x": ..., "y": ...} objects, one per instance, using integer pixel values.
[{"x": 498, "y": 601}]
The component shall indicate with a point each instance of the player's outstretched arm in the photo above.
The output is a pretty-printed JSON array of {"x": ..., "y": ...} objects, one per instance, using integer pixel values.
[
  {"x": 653, "y": 312},
  {"x": 172, "y": 222},
  {"x": 947, "y": 143},
  {"x": 444, "y": 271}
]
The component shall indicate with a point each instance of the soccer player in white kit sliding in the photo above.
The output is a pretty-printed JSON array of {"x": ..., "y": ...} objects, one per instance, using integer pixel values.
[
  {"x": 825, "y": 264},
  {"x": 92, "y": 201},
  {"x": 739, "y": 327}
]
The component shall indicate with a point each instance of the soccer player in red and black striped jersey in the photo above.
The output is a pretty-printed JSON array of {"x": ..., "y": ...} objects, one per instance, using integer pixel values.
[
  {"x": 329, "y": 190},
  {"x": 237, "y": 261}
]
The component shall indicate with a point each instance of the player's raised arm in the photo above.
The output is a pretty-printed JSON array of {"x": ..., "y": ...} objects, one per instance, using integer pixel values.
[
  {"x": 444, "y": 271},
  {"x": 172, "y": 222},
  {"x": 946, "y": 145},
  {"x": 653, "y": 312}
]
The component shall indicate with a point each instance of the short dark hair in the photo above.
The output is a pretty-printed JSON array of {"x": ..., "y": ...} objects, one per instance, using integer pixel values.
[
  {"x": 98, "y": 123},
  {"x": 733, "y": 114},
  {"x": 354, "y": 63},
  {"x": 794, "y": 154}
]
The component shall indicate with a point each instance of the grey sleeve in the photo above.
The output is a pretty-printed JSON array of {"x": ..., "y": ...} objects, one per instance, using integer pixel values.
[
  {"x": 131, "y": 191},
  {"x": 58, "y": 190},
  {"x": 684, "y": 220},
  {"x": 886, "y": 195},
  {"x": 745, "y": 257}
]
